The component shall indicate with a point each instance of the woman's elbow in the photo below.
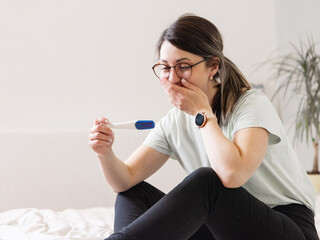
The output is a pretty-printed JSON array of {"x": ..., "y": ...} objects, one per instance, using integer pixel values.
[
  {"x": 120, "y": 189},
  {"x": 116, "y": 191},
  {"x": 232, "y": 180}
]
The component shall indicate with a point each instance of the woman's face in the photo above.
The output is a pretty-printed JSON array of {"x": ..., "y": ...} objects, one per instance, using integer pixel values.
[{"x": 170, "y": 56}]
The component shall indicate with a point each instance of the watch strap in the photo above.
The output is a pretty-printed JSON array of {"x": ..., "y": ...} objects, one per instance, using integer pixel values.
[{"x": 206, "y": 117}]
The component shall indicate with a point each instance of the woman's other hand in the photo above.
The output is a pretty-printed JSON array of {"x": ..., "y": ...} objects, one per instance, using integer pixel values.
[
  {"x": 101, "y": 137},
  {"x": 187, "y": 97}
]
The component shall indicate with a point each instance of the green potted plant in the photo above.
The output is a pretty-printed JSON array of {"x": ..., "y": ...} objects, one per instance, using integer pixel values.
[{"x": 299, "y": 71}]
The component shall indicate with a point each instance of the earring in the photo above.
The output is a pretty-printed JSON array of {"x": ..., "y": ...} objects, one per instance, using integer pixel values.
[{"x": 211, "y": 78}]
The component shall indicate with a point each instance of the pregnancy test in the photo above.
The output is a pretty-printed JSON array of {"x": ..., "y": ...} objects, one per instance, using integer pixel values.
[{"x": 133, "y": 125}]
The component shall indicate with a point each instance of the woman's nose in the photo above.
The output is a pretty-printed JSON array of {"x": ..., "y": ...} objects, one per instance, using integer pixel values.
[{"x": 173, "y": 76}]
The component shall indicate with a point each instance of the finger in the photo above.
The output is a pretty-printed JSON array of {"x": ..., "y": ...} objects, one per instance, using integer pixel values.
[
  {"x": 170, "y": 88},
  {"x": 95, "y": 142},
  {"x": 189, "y": 85},
  {"x": 100, "y": 136},
  {"x": 100, "y": 120},
  {"x": 98, "y": 143},
  {"x": 165, "y": 84},
  {"x": 101, "y": 128}
]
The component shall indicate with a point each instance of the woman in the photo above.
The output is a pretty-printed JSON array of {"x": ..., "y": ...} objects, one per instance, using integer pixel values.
[{"x": 244, "y": 182}]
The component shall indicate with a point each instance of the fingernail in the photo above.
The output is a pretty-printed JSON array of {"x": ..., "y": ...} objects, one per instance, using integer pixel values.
[
  {"x": 183, "y": 81},
  {"x": 106, "y": 121},
  {"x": 112, "y": 133}
]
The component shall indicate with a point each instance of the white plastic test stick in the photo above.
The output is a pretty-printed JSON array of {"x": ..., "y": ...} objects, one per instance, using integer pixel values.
[
  {"x": 123, "y": 125},
  {"x": 134, "y": 125}
]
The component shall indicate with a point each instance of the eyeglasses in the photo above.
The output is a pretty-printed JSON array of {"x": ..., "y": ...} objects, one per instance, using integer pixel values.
[{"x": 183, "y": 70}]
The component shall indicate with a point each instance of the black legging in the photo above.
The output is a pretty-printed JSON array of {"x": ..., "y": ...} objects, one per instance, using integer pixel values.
[{"x": 202, "y": 208}]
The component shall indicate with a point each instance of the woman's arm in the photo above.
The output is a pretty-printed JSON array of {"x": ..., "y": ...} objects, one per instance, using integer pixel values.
[
  {"x": 123, "y": 175},
  {"x": 234, "y": 161},
  {"x": 139, "y": 166}
]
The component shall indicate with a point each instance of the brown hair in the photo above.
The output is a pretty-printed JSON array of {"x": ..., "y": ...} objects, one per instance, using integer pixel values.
[{"x": 199, "y": 36}]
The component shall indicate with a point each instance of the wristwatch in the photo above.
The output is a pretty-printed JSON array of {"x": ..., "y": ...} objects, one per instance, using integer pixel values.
[{"x": 202, "y": 118}]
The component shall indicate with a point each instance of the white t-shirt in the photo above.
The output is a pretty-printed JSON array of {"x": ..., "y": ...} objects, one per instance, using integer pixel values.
[{"x": 280, "y": 179}]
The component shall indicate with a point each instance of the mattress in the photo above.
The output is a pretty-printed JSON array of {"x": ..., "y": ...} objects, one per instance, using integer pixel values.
[
  {"x": 45, "y": 224},
  {"x": 70, "y": 224}
]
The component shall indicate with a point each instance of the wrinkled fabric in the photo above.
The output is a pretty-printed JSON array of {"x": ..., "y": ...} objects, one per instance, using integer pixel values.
[{"x": 45, "y": 224}]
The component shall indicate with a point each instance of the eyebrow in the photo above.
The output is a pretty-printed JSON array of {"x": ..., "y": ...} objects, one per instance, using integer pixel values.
[{"x": 179, "y": 60}]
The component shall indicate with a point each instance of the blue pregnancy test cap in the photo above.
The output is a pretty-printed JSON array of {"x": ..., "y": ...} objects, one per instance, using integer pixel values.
[{"x": 144, "y": 124}]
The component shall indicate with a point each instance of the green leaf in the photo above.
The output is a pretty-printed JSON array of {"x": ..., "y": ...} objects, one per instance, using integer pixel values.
[{"x": 299, "y": 72}]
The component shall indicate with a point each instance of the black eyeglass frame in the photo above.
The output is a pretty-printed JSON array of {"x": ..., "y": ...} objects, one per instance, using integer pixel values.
[{"x": 174, "y": 67}]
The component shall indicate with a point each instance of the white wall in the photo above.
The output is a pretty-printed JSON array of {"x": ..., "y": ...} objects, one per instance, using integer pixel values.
[
  {"x": 58, "y": 170},
  {"x": 64, "y": 62}
]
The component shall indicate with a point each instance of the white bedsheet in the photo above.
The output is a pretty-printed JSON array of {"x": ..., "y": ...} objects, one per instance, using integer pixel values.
[
  {"x": 44, "y": 224},
  {"x": 70, "y": 224}
]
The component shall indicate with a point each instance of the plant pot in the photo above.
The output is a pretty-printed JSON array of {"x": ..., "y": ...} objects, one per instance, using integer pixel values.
[{"x": 315, "y": 179}]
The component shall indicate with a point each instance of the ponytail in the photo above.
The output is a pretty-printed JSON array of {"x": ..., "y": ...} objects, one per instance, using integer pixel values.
[{"x": 232, "y": 85}]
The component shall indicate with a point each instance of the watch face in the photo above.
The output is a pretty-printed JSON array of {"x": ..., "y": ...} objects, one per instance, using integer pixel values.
[{"x": 199, "y": 119}]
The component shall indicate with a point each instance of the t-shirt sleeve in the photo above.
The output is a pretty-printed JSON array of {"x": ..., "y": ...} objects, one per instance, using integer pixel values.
[
  {"x": 258, "y": 111},
  {"x": 157, "y": 138}
]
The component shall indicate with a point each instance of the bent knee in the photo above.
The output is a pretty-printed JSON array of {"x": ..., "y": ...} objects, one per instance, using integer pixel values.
[
  {"x": 204, "y": 171},
  {"x": 205, "y": 174}
]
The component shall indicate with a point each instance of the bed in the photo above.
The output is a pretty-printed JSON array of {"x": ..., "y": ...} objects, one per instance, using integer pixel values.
[{"x": 45, "y": 224}]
